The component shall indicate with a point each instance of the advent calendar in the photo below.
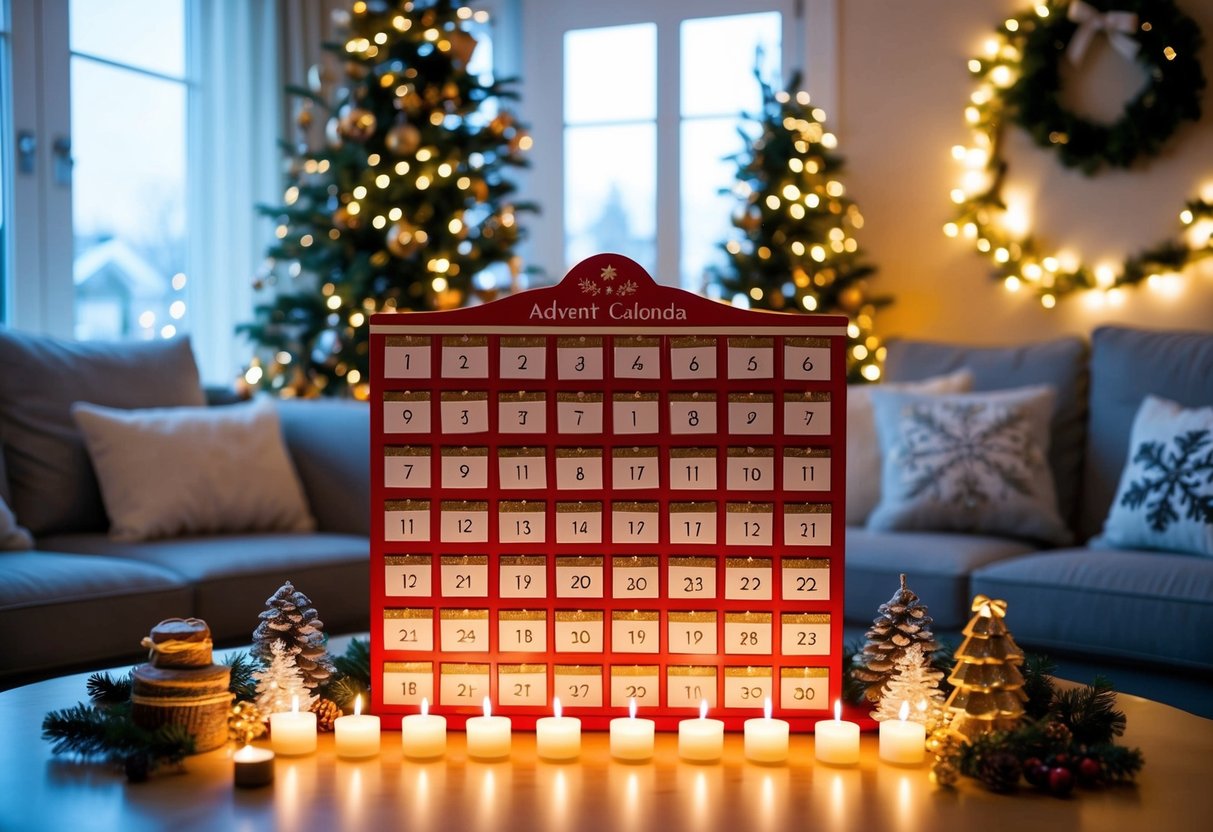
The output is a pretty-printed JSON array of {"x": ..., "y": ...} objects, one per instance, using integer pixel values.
[{"x": 604, "y": 491}]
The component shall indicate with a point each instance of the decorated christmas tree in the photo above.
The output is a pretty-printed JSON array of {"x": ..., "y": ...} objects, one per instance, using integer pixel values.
[
  {"x": 793, "y": 248},
  {"x": 902, "y": 622},
  {"x": 279, "y": 683},
  {"x": 291, "y": 619},
  {"x": 915, "y": 681},
  {"x": 403, "y": 204},
  {"x": 988, "y": 692}
]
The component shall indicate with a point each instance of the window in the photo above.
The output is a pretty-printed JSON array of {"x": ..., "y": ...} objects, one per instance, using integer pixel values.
[{"x": 650, "y": 101}]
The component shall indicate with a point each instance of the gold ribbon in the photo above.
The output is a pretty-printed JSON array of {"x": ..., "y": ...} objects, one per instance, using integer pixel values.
[{"x": 989, "y": 607}]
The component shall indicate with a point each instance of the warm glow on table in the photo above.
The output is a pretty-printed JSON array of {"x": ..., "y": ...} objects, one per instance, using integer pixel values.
[
  {"x": 423, "y": 735},
  {"x": 293, "y": 732},
  {"x": 357, "y": 735},
  {"x": 632, "y": 738},
  {"x": 836, "y": 741},
  {"x": 701, "y": 740},
  {"x": 558, "y": 737},
  {"x": 488, "y": 736},
  {"x": 766, "y": 739},
  {"x": 901, "y": 741}
]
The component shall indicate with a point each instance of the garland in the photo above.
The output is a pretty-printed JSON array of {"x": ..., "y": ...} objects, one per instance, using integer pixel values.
[{"x": 1018, "y": 81}]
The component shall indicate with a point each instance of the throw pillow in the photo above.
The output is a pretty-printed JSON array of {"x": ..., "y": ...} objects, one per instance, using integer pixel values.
[
  {"x": 193, "y": 470},
  {"x": 1165, "y": 497},
  {"x": 863, "y": 451},
  {"x": 52, "y": 486},
  {"x": 971, "y": 462},
  {"x": 12, "y": 537}
]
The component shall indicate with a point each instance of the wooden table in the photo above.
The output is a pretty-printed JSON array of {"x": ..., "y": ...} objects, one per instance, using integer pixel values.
[{"x": 41, "y": 792}]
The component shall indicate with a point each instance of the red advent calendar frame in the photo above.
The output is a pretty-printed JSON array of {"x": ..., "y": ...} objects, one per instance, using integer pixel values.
[{"x": 515, "y": 557}]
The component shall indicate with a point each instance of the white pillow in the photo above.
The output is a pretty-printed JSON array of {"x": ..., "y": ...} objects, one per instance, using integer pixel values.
[
  {"x": 967, "y": 462},
  {"x": 863, "y": 451},
  {"x": 1165, "y": 498},
  {"x": 175, "y": 471}
]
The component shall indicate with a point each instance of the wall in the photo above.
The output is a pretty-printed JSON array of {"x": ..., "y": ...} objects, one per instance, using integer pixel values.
[{"x": 902, "y": 87}]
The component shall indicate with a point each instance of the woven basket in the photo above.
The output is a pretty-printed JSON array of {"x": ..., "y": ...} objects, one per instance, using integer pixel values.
[
  {"x": 180, "y": 642},
  {"x": 196, "y": 698}
]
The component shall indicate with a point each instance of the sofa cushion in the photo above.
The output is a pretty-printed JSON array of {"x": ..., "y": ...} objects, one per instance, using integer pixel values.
[
  {"x": 330, "y": 444},
  {"x": 1126, "y": 366},
  {"x": 58, "y": 610},
  {"x": 169, "y": 471},
  {"x": 52, "y": 484},
  {"x": 1061, "y": 364},
  {"x": 1146, "y": 606},
  {"x": 233, "y": 575},
  {"x": 967, "y": 462},
  {"x": 937, "y": 567}
]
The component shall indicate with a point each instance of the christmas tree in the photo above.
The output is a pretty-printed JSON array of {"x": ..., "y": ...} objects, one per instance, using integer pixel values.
[
  {"x": 291, "y": 619},
  {"x": 405, "y": 204},
  {"x": 989, "y": 689},
  {"x": 279, "y": 683},
  {"x": 794, "y": 246},
  {"x": 914, "y": 680},
  {"x": 902, "y": 622}
]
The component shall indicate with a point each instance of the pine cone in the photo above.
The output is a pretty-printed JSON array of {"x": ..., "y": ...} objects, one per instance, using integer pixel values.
[
  {"x": 999, "y": 771},
  {"x": 1058, "y": 735},
  {"x": 326, "y": 712}
]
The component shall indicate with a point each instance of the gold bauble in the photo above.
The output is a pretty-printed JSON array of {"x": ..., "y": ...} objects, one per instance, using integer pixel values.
[
  {"x": 357, "y": 124},
  {"x": 400, "y": 240},
  {"x": 851, "y": 298},
  {"x": 402, "y": 139}
]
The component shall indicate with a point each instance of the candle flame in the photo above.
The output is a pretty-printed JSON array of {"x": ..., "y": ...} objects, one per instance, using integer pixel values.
[
  {"x": 703, "y": 709},
  {"x": 295, "y": 704},
  {"x": 488, "y": 708},
  {"x": 358, "y": 705},
  {"x": 766, "y": 710},
  {"x": 904, "y": 712},
  {"x": 556, "y": 709},
  {"x": 425, "y": 706},
  {"x": 632, "y": 707},
  {"x": 837, "y": 710}
]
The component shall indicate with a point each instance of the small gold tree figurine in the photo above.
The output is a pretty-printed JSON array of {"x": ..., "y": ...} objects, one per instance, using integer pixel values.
[{"x": 988, "y": 690}]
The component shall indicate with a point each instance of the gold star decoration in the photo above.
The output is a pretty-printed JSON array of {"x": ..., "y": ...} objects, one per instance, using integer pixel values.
[{"x": 608, "y": 273}]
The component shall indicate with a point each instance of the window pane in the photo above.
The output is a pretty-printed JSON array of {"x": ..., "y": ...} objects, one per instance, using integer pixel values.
[
  {"x": 610, "y": 74},
  {"x": 718, "y": 60},
  {"x": 705, "y": 210},
  {"x": 147, "y": 35},
  {"x": 609, "y": 199},
  {"x": 128, "y": 202}
]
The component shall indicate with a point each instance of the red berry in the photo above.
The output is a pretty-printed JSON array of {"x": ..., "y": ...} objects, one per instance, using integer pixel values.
[
  {"x": 1090, "y": 771},
  {"x": 1061, "y": 781},
  {"x": 1036, "y": 772}
]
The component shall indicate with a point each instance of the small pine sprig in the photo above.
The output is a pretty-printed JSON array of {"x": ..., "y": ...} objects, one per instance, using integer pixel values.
[
  {"x": 344, "y": 690},
  {"x": 1037, "y": 673},
  {"x": 1090, "y": 712},
  {"x": 110, "y": 734},
  {"x": 243, "y": 684},
  {"x": 854, "y": 689},
  {"x": 104, "y": 691},
  {"x": 355, "y": 662},
  {"x": 1120, "y": 764}
]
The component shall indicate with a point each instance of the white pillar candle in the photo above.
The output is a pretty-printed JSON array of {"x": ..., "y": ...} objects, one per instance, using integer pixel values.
[
  {"x": 357, "y": 735},
  {"x": 253, "y": 767},
  {"x": 836, "y": 741},
  {"x": 292, "y": 732},
  {"x": 902, "y": 742},
  {"x": 423, "y": 735},
  {"x": 558, "y": 737},
  {"x": 701, "y": 740},
  {"x": 632, "y": 738},
  {"x": 488, "y": 736},
  {"x": 766, "y": 739}
]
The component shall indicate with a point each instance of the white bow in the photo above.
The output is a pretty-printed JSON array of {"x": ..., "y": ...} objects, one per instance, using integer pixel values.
[{"x": 1119, "y": 27}]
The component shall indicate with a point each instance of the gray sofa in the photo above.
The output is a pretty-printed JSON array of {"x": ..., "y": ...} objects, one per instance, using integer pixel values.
[
  {"x": 79, "y": 598},
  {"x": 1138, "y": 607}
]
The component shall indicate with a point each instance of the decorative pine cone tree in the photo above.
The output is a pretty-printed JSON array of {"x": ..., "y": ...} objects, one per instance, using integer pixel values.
[
  {"x": 279, "y": 683},
  {"x": 988, "y": 694},
  {"x": 916, "y": 682},
  {"x": 291, "y": 619},
  {"x": 902, "y": 621}
]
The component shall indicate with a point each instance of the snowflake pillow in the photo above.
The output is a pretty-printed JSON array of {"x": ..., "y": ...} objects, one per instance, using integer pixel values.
[
  {"x": 967, "y": 462},
  {"x": 1165, "y": 498}
]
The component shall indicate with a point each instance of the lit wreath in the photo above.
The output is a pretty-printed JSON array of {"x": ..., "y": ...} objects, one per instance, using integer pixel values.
[{"x": 1018, "y": 81}]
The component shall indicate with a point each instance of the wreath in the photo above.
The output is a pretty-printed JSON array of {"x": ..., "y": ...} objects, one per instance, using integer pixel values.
[{"x": 1019, "y": 76}]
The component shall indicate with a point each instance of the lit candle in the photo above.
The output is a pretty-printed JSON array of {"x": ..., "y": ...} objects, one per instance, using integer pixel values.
[
  {"x": 423, "y": 735},
  {"x": 901, "y": 741},
  {"x": 558, "y": 737},
  {"x": 766, "y": 739},
  {"x": 356, "y": 735},
  {"x": 631, "y": 738},
  {"x": 701, "y": 740},
  {"x": 292, "y": 732},
  {"x": 254, "y": 767},
  {"x": 836, "y": 741},
  {"x": 488, "y": 736}
]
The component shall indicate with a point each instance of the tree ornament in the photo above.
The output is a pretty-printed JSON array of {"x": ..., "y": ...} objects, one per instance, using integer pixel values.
[
  {"x": 291, "y": 619},
  {"x": 988, "y": 690},
  {"x": 246, "y": 723},
  {"x": 1019, "y": 83},
  {"x": 280, "y": 683},
  {"x": 945, "y": 774},
  {"x": 915, "y": 681},
  {"x": 326, "y": 711},
  {"x": 402, "y": 139},
  {"x": 902, "y": 621},
  {"x": 357, "y": 124}
]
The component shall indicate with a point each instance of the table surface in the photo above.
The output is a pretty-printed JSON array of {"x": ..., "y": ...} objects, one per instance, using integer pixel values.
[{"x": 41, "y": 792}]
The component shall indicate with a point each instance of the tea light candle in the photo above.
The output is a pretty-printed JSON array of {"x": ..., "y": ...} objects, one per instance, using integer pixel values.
[
  {"x": 836, "y": 741},
  {"x": 902, "y": 742},
  {"x": 766, "y": 739},
  {"x": 423, "y": 735},
  {"x": 632, "y": 738},
  {"x": 488, "y": 736},
  {"x": 357, "y": 735},
  {"x": 558, "y": 737},
  {"x": 293, "y": 733},
  {"x": 701, "y": 740},
  {"x": 253, "y": 767}
]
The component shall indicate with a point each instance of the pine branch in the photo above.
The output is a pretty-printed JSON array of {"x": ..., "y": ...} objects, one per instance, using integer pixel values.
[
  {"x": 1038, "y": 684},
  {"x": 103, "y": 690},
  {"x": 80, "y": 729},
  {"x": 243, "y": 685},
  {"x": 1120, "y": 764},
  {"x": 344, "y": 690},
  {"x": 355, "y": 662},
  {"x": 1090, "y": 712}
]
